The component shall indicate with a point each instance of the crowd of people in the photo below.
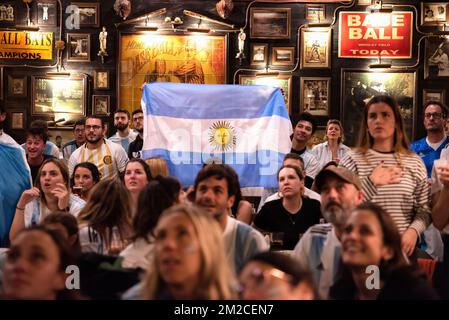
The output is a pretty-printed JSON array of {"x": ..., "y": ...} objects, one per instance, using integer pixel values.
[{"x": 363, "y": 223}]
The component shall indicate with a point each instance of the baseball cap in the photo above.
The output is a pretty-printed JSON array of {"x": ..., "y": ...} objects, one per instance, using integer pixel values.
[{"x": 342, "y": 173}]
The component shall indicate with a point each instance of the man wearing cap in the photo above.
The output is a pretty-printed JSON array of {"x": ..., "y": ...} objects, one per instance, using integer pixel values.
[{"x": 319, "y": 248}]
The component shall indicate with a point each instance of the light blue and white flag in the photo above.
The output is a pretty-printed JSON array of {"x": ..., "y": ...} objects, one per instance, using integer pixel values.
[{"x": 246, "y": 127}]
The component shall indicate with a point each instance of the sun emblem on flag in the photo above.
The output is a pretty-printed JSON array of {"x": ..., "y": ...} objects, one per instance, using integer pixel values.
[{"x": 222, "y": 136}]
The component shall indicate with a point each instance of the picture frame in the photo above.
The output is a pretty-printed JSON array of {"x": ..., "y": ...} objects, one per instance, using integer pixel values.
[
  {"x": 314, "y": 95},
  {"x": 18, "y": 120},
  {"x": 434, "y": 13},
  {"x": 270, "y": 23},
  {"x": 284, "y": 82},
  {"x": 47, "y": 13},
  {"x": 65, "y": 97},
  {"x": 89, "y": 14},
  {"x": 101, "y": 104},
  {"x": 436, "y": 58},
  {"x": 8, "y": 12},
  {"x": 315, "y": 12},
  {"x": 17, "y": 86},
  {"x": 434, "y": 95},
  {"x": 259, "y": 54},
  {"x": 358, "y": 86},
  {"x": 78, "y": 48},
  {"x": 282, "y": 56},
  {"x": 101, "y": 80},
  {"x": 315, "y": 48}
]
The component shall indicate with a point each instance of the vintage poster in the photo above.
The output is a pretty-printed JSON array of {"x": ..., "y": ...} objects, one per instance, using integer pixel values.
[
  {"x": 373, "y": 35},
  {"x": 168, "y": 58},
  {"x": 26, "y": 45}
]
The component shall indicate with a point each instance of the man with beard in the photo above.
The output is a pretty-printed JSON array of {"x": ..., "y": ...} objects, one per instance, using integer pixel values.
[
  {"x": 136, "y": 146},
  {"x": 110, "y": 158},
  {"x": 429, "y": 148},
  {"x": 215, "y": 191},
  {"x": 79, "y": 133},
  {"x": 319, "y": 248},
  {"x": 124, "y": 135}
]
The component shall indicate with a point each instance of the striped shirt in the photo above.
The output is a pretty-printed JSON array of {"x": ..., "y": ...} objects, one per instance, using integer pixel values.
[
  {"x": 110, "y": 158},
  {"x": 68, "y": 149},
  {"x": 124, "y": 141},
  {"x": 408, "y": 201},
  {"x": 311, "y": 165},
  {"x": 323, "y": 154}
]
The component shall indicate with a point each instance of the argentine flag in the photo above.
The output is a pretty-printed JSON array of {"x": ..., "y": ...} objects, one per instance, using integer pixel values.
[{"x": 188, "y": 125}]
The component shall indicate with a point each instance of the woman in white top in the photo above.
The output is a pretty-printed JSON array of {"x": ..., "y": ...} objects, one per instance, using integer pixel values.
[
  {"x": 333, "y": 148},
  {"x": 50, "y": 194}
]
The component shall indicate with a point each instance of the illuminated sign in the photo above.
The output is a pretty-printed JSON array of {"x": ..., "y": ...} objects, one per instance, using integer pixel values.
[
  {"x": 371, "y": 35},
  {"x": 26, "y": 45}
]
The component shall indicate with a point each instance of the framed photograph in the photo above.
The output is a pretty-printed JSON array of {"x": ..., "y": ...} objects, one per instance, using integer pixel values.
[
  {"x": 358, "y": 86},
  {"x": 314, "y": 95},
  {"x": 66, "y": 96},
  {"x": 315, "y": 12},
  {"x": 17, "y": 86},
  {"x": 101, "y": 79},
  {"x": 436, "y": 58},
  {"x": 47, "y": 13},
  {"x": 284, "y": 82},
  {"x": 270, "y": 23},
  {"x": 100, "y": 104},
  {"x": 434, "y": 95},
  {"x": 8, "y": 12},
  {"x": 434, "y": 13},
  {"x": 283, "y": 56},
  {"x": 315, "y": 48},
  {"x": 78, "y": 47},
  {"x": 259, "y": 54},
  {"x": 89, "y": 13},
  {"x": 18, "y": 120}
]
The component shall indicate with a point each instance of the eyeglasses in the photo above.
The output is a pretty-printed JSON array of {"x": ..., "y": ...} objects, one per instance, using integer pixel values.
[
  {"x": 435, "y": 115},
  {"x": 92, "y": 127}
]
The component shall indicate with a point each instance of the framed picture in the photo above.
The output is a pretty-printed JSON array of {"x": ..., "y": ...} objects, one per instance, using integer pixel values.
[
  {"x": 314, "y": 95},
  {"x": 101, "y": 79},
  {"x": 436, "y": 58},
  {"x": 434, "y": 95},
  {"x": 100, "y": 104},
  {"x": 47, "y": 13},
  {"x": 315, "y": 12},
  {"x": 270, "y": 23},
  {"x": 358, "y": 86},
  {"x": 315, "y": 48},
  {"x": 89, "y": 14},
  {"x": 434, "y": 13},
  {"x": 190, "y": 59},
  {"x": 259, "y": 54},
  {"x": 18, "y": 120},
  {"x": 78, "y": 47},
  {"x": 8, "y": 12},
  {"x": 17, "y": 86},
  {"x": 66, "y": 97},
  {"x": 283, "y": 56},
  {"x": 284, "y": 82}
]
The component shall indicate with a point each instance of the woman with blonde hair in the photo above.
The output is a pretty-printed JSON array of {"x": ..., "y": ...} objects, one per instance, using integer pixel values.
[
  {"x": 190, "y": 260},
  {"x": 158, "y": 167},
  {"x": 392, "y": 176},
  {"x": 105, "y": 221},
  {"x": 333, "y": 148}
]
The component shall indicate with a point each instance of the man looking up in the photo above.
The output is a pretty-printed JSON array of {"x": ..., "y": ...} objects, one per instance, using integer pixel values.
[{"x": 124, "y": 135}]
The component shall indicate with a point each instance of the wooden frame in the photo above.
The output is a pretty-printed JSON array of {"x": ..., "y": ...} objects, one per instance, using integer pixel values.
[
  {"x": 78, "y": 47},
  {"x": 18, "y": 120},
  {"x": 101, "y": 79},
  {"x": 282, "y": 56},
  {"x": 434, "y": 13},
  {"x": 434, "y": 95},
  {"x": 284, "y": 82},
  {"x": 17, "y": 86},
  {"x": 315, "y": 12},
  {"x": 315, "y": 48},
  {"x": 436, "y": 58},
  {"x": 358, "y": 86},
  {"x": 88, "y": 14},
  {"x": 270, "y": 23},
  {"x": 47, "y": 13},
  {"x": 314, "y": 95},
  {"x": 259, "y": 54},
  {"x": 64, "y": 96},
  {"x": 101, "y": 104}
]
